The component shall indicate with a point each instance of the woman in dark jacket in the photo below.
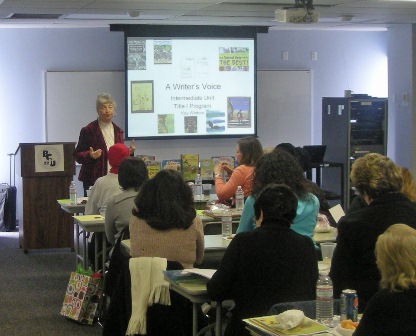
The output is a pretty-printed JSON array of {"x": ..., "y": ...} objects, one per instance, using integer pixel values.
[
  {"x": 379, "y": 181},
  {"x": 268, "y": 265}
]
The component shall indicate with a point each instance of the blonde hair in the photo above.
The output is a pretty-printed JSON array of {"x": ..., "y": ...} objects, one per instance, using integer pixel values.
[
  {"x": 409, "y": 184},
  {"x": 396, "y": 258},
  {"x": 104, "y": 98},
  {"x": 375, "y": 175}
]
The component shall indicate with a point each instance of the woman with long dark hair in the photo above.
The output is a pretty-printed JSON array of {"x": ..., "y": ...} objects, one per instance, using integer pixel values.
[{"x": 164, "y": 222}]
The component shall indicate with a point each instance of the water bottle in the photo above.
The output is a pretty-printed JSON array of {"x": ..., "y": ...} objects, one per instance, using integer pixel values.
[
  {"x": 227, "y": 222},
  {"x": 239, "y": 198},
  {"x": 73, "y": 193},
  {"x": 324, "y": 300},
  {"x": 198, "y": 187}
]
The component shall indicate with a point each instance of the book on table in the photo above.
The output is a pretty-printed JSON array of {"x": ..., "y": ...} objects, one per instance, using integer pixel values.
[
  {"x": 153, "y": 167},
  {"x": 268, "y": 326},
  {"x": 190, "y": 166},
  {"x": 146, "y": 157},
  {"x": 207, "y": 169},
  {"x": 174, "y": 164},
  {"x": 192, "y": 280}
]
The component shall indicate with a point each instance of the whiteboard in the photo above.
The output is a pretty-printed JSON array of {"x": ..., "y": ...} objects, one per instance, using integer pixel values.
[
  {"x": 284, "y": 107},
  {"x": 70, "y": 98}
]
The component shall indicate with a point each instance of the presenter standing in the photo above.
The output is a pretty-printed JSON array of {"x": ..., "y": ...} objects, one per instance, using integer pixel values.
[{"x": 94, "y": 141}]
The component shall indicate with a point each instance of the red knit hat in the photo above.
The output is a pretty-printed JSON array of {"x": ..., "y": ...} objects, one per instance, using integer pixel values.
[{"x": 116, "y": 154}]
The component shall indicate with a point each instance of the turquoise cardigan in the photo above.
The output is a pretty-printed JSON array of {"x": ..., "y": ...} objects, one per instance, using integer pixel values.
[{"x": 304, "y": 222}]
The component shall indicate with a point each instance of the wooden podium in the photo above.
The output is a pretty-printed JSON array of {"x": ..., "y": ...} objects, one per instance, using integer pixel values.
[{"x": 47, "y": 170}]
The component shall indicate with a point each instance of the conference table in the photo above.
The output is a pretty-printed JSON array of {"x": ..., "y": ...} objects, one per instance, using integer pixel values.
[
  {"x": 74, "y": 209},
  {"x": 93, "y": 224}
]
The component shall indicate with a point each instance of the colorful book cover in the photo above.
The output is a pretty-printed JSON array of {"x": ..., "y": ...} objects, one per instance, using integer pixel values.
[
  {"x": 153, "y": 167},
  {"x": 231, "y": 58},
  {"x": 174, "y": 164},
  {"x": 207, "y": 169},
  {"x": 147, "y": 158},
  {"x": 190, "y": 166}
]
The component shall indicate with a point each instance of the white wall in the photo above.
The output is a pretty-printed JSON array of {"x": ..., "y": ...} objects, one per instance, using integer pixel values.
[
  {"x": 346, "y": 60},
  {"x": 401, "y": 82}
]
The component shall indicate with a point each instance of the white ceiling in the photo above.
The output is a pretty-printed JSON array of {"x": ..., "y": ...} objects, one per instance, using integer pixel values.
[{"x": 366, "y": 14}]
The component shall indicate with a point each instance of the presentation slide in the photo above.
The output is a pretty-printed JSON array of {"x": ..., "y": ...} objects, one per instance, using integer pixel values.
[{"x": 188, "y": 88}]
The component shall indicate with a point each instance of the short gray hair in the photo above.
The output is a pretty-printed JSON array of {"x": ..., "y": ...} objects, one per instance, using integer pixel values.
[{"x": 104, "y": 98}]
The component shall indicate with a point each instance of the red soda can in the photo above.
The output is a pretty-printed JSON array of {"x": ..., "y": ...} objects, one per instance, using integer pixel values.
[{"x": 349, "y": 305}]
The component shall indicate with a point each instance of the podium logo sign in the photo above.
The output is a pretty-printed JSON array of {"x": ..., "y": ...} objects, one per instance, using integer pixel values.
[{"x": 49, "y": 158}]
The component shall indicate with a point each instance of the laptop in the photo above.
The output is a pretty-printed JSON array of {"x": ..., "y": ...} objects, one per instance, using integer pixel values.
[{"x": 316, "y": 153}]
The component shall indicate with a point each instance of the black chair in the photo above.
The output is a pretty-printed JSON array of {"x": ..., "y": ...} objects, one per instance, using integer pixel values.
[
  {"x": 308, "y": 307},
  {"x": 173, "y": 320}
]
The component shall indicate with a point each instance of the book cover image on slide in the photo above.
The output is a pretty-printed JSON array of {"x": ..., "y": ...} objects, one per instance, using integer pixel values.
[
  {"x": 162, "y": 52},
  {"x": 233, "y": 59},
  {"x": 239, "y": 112},
  {"x": 165, "y": 123},
  {"x": 215, "y": 122},
  {"x": 191, "y": 124},
  {"x": 142, "y": 97},
  {"x": 136, "y": 54}
]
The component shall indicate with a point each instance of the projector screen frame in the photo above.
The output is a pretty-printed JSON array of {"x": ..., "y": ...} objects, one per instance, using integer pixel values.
[{"x": 190, "y": 32}]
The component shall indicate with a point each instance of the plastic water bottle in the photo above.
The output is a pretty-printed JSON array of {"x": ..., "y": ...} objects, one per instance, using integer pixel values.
[
  {"x": 198, "y": 187},
  {"x": 73, "y": 193},
  {"x": 324, "y": 300},
  {"x": 227, "y": 222},
  {"x": 239, "y": 198}
]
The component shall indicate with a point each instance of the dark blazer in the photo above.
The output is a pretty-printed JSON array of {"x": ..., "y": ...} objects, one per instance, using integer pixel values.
[
  {"x": 91, "y": 136},
  {"x": 260, "y": 268},
  {"x": 389, "y": 313},
  {"x": 354, "y": 264}
]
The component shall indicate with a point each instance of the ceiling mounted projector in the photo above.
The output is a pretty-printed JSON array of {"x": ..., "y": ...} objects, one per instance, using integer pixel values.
[{"x": 296, "y": 15}]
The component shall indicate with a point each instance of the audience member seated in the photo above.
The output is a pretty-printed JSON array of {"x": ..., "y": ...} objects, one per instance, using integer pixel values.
[
  {"x": 303, "y": 158},
  {"x": 267, "y": 265},
  {"x": 248, "y": 151},
  {"x": 408, "y": 189},
  {"x": 131, "y": 174},
  {"x": 103, "y": 188},
  {"x": 281, "y": 167},
  {"x": 409, "y": 185},
  {"x": 379, "y": 181},
  {"x": 107, "y": 185},
  {"x": 164, "y": 222},
  {"x": 392, "y": 310}
]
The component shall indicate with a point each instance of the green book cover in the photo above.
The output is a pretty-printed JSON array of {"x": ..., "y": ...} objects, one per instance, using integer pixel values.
[
  {"x": 207, "y": 169},
  {"x": 190, "y": 166}
]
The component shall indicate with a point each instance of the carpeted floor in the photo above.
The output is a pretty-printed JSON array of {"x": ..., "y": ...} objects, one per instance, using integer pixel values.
[{"x": 32, "y": 289}]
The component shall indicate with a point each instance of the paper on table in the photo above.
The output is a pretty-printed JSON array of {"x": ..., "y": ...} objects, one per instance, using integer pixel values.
[
  {"x": 206, "y": 273},
  {"x": 337, "y": 212}
]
